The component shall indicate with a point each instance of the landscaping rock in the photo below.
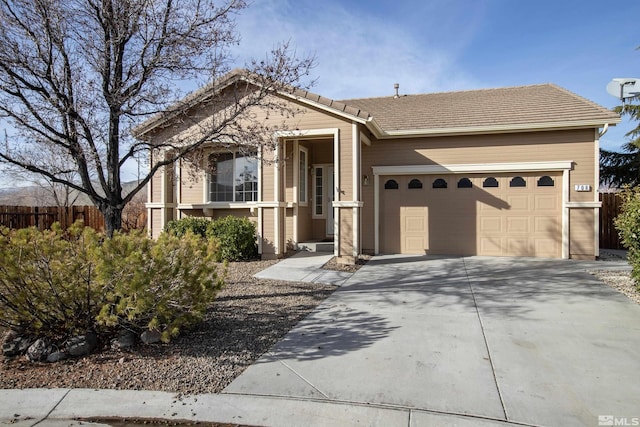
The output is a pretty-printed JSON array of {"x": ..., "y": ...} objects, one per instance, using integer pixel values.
[
  {"x": 125, "y": 341},
  {"x": 151, "y": 337},
  {"x": 57, "y": 356},
  {"x": 82, "y": 344},
  {"x": 15, "y": 346},
  {"x": 39, "y": 350}
]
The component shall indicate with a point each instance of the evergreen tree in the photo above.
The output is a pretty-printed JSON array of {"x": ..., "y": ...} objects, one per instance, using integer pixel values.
[{"x": 623, "y": 168}]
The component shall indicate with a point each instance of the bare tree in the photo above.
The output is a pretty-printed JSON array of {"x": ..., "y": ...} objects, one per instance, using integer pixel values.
[{"x": 80, "y": 75}]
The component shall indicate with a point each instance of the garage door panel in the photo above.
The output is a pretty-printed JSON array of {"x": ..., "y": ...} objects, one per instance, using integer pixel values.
[
  {"x": 518, "y": 203},
  {"x": 544, "y": 224},
  {"x": 518, "y": 224},
  {"x": 546, "y": 202},
  {"x": 492, "y": 246},
  {"x": 519, "y": 246},
  {"x": 546, "y": 247},
  {"x": 491, "y": 224}
]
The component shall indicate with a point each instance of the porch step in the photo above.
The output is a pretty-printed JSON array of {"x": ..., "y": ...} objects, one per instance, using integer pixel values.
[{"x": 316, "y": 246}]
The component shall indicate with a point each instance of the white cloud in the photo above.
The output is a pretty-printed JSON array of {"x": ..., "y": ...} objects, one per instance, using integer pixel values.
[{"x": 358, "y": 54}]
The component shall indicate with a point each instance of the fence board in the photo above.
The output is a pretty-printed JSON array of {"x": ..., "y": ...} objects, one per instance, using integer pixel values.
[
  {"x": 611, "y": 204},
  {"x": 43, "y": 217}
]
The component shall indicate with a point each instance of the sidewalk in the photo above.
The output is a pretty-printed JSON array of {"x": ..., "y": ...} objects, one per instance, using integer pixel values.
[{"x": 305, "y": 267}]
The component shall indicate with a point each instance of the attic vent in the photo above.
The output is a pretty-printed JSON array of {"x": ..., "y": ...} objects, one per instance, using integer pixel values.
[{"x": 396, "y": 86}]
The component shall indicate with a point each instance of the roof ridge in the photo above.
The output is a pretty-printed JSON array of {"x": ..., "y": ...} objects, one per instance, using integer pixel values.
[{"x": 501, "y": 88}]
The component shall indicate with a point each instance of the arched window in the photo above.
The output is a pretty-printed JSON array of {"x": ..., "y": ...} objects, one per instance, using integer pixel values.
[
  {"x": 439, "y": 183},
  {"x": 465, "y": 183},
  {"x": 415, "y": 183},
  {"x": 392, "y": 184},
  {"x": 490, "y": 182},
  {"x": 545, "y": 181},
  {"x": 517, "y": 181}
]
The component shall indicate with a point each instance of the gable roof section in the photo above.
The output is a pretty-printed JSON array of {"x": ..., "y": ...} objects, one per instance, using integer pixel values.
[
  {"x": 210, "y": 90},
  {"x": 535, "y": 107},
  {"x": 511, "y": 109}
]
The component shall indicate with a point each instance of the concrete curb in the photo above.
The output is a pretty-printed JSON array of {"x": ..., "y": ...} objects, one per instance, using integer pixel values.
[{"x": 63, "y": 407}]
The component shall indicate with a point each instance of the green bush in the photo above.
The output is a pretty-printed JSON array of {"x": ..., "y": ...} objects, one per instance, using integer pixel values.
[
  {"x": 236, "y": 238},
  {"x": 54, "y": 284},
  {"x": 628, "y": 225},
  {"x": 196, "y": 225}
]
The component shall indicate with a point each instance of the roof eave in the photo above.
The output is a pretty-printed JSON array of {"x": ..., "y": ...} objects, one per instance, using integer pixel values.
[{"x": 480, "y": 130}]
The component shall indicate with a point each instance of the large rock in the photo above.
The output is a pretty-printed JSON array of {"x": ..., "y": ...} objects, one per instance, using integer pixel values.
[
  {"x": 57, "y": 356},
  {"x": 125, "y": 340},
  {"x": 16, "y": 346},
  {"x": 151, "y": 337},
  {"x": 39, "y": 350},
  {"x": 82, "y": 344}
]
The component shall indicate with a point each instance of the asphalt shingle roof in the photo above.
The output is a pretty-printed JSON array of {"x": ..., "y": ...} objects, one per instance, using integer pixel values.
[{"x": 536, "y": 104}]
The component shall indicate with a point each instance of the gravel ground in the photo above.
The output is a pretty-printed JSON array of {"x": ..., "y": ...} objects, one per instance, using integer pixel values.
[
  {"x": 621, "y": 281},
  {"x": 248, "y": 317}
]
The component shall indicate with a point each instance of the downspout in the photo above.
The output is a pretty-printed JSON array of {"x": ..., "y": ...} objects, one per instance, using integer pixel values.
[{"x": 604, "y": 130}]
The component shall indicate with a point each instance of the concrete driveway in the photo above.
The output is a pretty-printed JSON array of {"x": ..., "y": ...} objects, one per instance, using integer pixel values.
[{"x": 475, "y": 340}]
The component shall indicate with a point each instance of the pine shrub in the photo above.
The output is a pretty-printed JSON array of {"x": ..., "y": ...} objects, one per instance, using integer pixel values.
[{"x": 55, "y": 284}]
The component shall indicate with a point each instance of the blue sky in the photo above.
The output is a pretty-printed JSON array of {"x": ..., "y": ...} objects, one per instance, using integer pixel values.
[{"x": 364, "y": 47}]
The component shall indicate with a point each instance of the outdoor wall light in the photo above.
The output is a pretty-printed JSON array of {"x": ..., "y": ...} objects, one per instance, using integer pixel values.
[{"x": 365, "y": 180}]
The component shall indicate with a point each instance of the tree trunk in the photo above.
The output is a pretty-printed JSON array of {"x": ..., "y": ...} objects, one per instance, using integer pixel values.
[{"x": 112, "y": 219}]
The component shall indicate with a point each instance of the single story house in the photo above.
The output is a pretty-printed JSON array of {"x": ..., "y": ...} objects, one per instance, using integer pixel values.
[{"x": 503, "y": 172}]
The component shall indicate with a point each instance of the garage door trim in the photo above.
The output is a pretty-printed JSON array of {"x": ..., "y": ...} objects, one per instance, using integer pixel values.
[{"x": 564, "y": 166}]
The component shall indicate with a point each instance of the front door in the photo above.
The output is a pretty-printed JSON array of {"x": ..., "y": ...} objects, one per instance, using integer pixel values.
[{"x": 330, "y": 194}]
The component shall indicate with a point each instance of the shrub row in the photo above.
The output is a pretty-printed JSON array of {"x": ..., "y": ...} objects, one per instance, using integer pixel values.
[
  {"x": 235, "y": 236},
  {"x": 55, "y": 283}
]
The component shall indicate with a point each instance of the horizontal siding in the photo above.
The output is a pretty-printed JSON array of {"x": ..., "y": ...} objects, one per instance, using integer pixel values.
[
  {"x": 156, "y": 187},
  {"x": 268, "y": 247},
  {"x": 581, "y": 233}
]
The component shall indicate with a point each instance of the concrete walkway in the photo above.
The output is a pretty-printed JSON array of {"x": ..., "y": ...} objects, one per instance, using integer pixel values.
[
  {"x": 305, "y": 267},
  {"x": 412, "y": 341}
]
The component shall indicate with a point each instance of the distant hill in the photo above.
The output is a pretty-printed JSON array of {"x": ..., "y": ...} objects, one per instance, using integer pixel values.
[{"x": 35, "y": 195}]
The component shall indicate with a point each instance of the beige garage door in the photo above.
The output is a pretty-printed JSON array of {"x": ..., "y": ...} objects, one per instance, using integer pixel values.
[{"x": 503, "y": 215}]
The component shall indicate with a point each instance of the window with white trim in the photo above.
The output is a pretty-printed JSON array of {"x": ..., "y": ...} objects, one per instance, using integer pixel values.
[
  {"x": 233, "y": 177},
  {"x": 318, "y": 192},
  {"x": 303, "y": 162}
]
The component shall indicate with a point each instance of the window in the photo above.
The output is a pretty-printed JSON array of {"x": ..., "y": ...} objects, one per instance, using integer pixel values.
[
  {"x": 518, "y": 181},
  {"x": 318, "y": 192},
  {"x": 439, "y": 183},
  {"x": 545, "y": 181},
  {"x": 490, "y": 182},
  {"x": 465, "y": 183},
  {"x": 392, "y": 184},
  {"x": 415, "y": 183},
  {"x": 302, "y": 178},
  {"x": 233, "y": 177}
]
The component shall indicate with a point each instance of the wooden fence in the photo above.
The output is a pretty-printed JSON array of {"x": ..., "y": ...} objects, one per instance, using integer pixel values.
[
  {"x": 611, "y": 204},
  {"x": 43, "y": 216}
]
